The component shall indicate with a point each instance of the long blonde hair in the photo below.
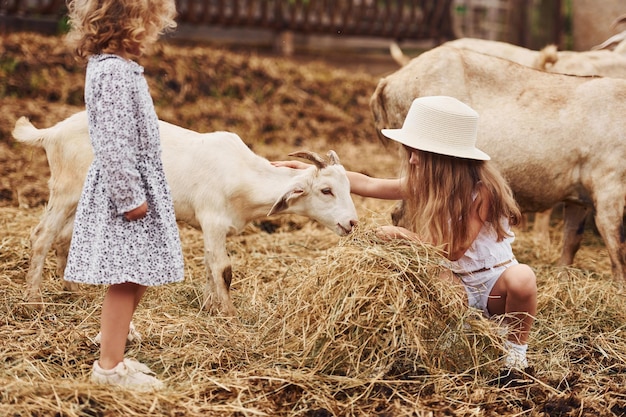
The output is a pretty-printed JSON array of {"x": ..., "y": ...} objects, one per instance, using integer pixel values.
[
  {"x": 440, "y": 190},
  {"x": 131, "y": 26}
]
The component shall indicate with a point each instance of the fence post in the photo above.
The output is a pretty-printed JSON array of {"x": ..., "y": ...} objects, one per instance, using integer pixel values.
[
  {"x": 519, "y": 20},
  {"x": 284, "y": 42}
]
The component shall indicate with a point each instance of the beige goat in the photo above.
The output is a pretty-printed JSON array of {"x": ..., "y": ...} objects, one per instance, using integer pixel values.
[
  {"x": 603, "y": 63},
  {"x": 562, "y": 136}
]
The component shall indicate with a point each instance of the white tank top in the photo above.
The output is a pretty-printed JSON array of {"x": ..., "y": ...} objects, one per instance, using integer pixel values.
[{"x": 485, "y": 251}]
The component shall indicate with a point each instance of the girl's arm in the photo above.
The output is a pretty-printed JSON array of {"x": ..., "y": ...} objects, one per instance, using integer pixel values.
[
  {"x": 116, "y": 141},
  {"x": 360, "y": 184},
  {"x": 478, "y": 214},
  {"x": 366, "y": 186}
]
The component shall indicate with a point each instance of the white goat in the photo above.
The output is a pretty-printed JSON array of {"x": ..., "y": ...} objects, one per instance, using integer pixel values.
[
  {"x": 562, "y": 137},
  {"x": 218, "y": 185}
]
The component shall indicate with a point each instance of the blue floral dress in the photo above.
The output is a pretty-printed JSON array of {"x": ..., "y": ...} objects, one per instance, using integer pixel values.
[{"x": 126, "y": 171}]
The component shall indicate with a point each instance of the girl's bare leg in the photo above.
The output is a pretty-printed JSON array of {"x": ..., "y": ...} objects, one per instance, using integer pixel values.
[
  {"x": 515, "y": 294},
  {"x": 118, "y": 307},
  {"x": 138, "y": 295}
]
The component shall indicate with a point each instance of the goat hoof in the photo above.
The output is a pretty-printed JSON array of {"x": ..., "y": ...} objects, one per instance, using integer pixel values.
[
  {"x": 214, "y": 308},
  {"x": 34, "y": 301},
  {"x": 229, "y": 313},
  {"x": 71, "y": 286},
  {"x": 208, "y": 305}
]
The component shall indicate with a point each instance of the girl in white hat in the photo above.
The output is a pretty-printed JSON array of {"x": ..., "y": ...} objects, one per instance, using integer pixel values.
[{"x": 455, "y": 198}]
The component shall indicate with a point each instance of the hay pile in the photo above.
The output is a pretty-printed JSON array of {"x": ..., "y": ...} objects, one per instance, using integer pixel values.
[{"x": 327, "y": 326}]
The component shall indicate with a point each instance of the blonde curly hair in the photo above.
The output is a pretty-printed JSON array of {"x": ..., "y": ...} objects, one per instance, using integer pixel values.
[{"x": 113, "y": 26}]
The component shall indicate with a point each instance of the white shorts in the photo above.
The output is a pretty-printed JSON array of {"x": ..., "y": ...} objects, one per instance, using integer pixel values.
[{"x": 478, "y": 296}]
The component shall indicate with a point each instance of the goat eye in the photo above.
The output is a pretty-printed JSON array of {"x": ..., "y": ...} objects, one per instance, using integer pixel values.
[{"x": 327, "y": 191}]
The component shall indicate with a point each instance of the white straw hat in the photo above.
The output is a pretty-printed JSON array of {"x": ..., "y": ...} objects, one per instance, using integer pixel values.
[{"x": 442, "y": 125}]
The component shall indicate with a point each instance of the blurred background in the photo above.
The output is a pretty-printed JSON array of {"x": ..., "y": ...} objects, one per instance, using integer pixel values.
[{"x": 301, "y": 26}]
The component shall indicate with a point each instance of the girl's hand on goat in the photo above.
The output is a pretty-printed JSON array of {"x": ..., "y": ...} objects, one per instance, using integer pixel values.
[
  {"x": 137, "y": 213},
  {"x": 291, "y": 164}
]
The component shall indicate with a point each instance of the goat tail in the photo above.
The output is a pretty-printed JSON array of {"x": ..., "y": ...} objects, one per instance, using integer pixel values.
[
  {"x": 24, "y": 131},
  {"x": 547, "y": 56},
  {"x": 377, "y": 107},
  {"x": 397, "y": 54}
]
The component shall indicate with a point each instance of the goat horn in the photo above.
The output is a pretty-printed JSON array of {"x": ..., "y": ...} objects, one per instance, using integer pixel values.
[
  {"x": 618, "y": 20},
  {"x": 334, "y": 159},
  {"x": 613, "y": 39},
  {"x": 311, "y": 156}
]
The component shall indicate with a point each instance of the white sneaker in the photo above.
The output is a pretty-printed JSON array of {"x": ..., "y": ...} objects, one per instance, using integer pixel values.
[
  {"x": 133, "y": 335},
  {"x": 514, "y": 361},
  {"x": 516, "y": 356},
  {"x": 128, "y": 373}
]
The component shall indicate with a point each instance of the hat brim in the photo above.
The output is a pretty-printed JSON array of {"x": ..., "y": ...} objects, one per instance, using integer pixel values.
[{"x": 425, "y": 144}]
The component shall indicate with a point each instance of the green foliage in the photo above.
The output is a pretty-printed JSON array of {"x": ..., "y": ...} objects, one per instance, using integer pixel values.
[
  {"x": 7, "y": 65},
  {"x": 63, "y": 25}
]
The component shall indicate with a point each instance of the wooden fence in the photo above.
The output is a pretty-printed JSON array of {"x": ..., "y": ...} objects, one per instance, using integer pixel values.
[{"x": 397, "y": 19}]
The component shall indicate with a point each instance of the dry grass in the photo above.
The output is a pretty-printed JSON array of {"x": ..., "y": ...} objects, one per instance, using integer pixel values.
[{"x": 327, "y": 326}]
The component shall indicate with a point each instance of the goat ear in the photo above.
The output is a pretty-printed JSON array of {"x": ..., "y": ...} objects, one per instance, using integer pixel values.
[
  {"x": 311, "y": 156},
  {"x": 283, "y": 203},
  {"x": 334, "y": 159}
]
